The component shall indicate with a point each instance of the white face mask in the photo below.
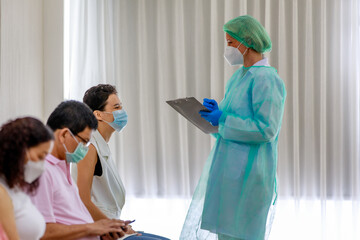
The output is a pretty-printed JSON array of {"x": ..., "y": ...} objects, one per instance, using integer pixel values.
[
  {"x": 33, "y": 170},
  {"x": 233, "y": 55}
]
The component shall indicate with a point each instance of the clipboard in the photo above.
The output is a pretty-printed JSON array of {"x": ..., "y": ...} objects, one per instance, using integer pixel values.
[{"x": 189, "y": 108}]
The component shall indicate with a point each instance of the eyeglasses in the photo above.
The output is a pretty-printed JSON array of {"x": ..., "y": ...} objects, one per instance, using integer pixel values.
[{"x": 86, "y": 143}]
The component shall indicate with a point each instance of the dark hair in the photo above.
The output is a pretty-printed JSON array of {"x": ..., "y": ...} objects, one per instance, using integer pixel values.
[
  {"x": 96, "y": 97},
  {"x": 73, "y": 115},
  {"x": 15, "y": 137}
]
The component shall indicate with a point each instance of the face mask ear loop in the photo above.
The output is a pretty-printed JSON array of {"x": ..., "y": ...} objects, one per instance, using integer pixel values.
[
  {"x": 73, "y": 137},
  {"x": 245, "y": 51},
  {"x": 65, "y": 147},
  {"x": 111, "y": 114}
]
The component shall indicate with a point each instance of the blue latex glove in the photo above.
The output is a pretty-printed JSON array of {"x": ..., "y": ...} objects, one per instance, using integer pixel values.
[
  {"x": 212, "y": 117},
  {"x": 210, "y": 104}
]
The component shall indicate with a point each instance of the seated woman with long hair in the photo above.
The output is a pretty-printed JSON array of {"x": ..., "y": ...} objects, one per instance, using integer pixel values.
[{"x": 24, "y": 143}]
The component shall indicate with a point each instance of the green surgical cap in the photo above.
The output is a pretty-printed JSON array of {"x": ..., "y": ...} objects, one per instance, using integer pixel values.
[{"x": 249, "y": 32}]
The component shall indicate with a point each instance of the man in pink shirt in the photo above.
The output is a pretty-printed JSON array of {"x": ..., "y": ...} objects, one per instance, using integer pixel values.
[{"x": 57, "y": 197}]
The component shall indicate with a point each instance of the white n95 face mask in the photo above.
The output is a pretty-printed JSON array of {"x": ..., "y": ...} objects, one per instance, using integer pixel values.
[
  {"x": 33, "y": 170},
  {"x": 233, "y": 55}
]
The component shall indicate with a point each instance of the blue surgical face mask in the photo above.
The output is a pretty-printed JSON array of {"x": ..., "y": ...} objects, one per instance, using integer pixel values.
[
  {"x": 79, "y": 153},
  {"x": 120, "y": 120}
]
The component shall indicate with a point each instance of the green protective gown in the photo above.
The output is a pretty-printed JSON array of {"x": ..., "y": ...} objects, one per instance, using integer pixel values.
[{"x": 237, "y": 189}]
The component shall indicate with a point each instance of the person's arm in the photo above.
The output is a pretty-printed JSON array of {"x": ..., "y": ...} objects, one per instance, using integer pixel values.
[
  {"x": 268, "y": 97},
  {"x": 86, "y": 168},
  {"x": 56, "y": 231},
  {"x": 85, "y": 174},
  {"x": 7, "y": 217}
]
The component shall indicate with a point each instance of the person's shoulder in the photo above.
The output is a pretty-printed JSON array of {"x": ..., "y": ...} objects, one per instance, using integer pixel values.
[
  {"x": 5, "y": 198},
  {"x": 49, "y": 168},
  {"x": 237, "y": 73},
  {"x": 3, "y": 191},
  {"x": 49, "y": 173},
  {"x": 267, "y": 73},
  {"x": 6, "y": 204},
  {"x": 95, "y": 138},
  {"x": 92, "y": 149},
  {"x": 51, "y": 164},
  {"x": 91, "y": 156},
  {"x": 264, "y": 71}
]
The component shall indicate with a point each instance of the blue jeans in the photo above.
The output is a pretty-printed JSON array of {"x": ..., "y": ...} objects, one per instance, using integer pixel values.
[{"x": 146, "y": 236}]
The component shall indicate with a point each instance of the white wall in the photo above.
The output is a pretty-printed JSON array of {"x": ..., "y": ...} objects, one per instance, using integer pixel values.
[{"x": 31, "y": 57}]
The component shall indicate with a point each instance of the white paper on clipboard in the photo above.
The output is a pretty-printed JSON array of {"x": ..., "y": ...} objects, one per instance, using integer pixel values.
[{"x": 189, "y": 108}]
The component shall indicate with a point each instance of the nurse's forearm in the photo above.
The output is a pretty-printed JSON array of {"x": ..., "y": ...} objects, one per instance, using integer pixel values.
[{"x": 245, "y": 130}]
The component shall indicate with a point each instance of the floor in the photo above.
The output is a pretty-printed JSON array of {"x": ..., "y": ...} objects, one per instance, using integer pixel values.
[{"x": 313, "y": 220}]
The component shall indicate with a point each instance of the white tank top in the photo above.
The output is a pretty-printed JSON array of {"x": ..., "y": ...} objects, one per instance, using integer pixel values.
[
  {"x": 107, "y": 192},
  {"x": 30, "y": 224}
]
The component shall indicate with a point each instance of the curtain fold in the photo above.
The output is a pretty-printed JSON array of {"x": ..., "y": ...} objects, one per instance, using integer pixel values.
[
  {"x": 21, "y": 59},
  {"x": 156, "y": 50}
]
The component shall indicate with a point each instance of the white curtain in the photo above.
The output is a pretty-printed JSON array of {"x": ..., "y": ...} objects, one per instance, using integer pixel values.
[
  {"x": 31, "y": 58},
  {"x": 156, "y": 50},
  {"x": 89, "y": 29},
  {"x": 21, "y": 64}
]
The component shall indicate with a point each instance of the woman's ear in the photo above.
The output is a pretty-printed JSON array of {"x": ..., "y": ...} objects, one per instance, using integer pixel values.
[{"x": 97, "y": 114}]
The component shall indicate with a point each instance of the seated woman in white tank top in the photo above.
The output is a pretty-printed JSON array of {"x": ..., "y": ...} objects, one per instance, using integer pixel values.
[
  {"x": 24, "y": 143},
  {"x": 100, "y": 186}
]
